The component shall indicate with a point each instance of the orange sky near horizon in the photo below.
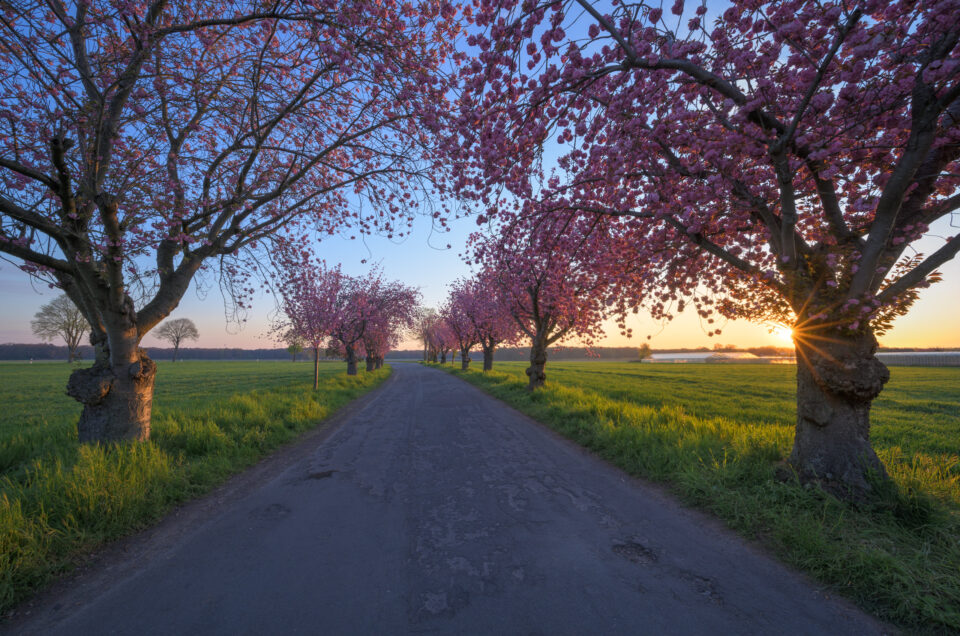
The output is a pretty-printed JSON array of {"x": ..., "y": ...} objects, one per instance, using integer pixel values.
[{"x": 934, "y": 320}]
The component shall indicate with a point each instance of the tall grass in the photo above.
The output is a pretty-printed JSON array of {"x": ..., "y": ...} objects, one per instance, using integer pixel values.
[
  {"x": 59, "y": 500},
  {"x": 717, "y": 434}
]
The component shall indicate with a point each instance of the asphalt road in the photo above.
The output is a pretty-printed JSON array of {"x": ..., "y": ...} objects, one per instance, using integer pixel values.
[{"x": 432, "y": 508}]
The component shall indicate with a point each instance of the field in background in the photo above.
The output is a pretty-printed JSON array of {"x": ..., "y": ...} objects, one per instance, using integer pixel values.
[
  {"x": 716, "y": 434},
  {"x": 60, "y": 500}
]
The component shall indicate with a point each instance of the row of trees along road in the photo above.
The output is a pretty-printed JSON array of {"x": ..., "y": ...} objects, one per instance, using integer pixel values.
[
  {"x": 355, "y": 316},
  {"x": 142, "y": 140},
  {"x": 776, "y": 162}
]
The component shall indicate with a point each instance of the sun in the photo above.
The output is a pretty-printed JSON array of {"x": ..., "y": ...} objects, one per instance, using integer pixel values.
[{"x": 782, "y": 332}]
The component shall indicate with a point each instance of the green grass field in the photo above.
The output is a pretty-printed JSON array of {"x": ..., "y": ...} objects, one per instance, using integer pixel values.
[
  {"x": 60, "y": 500},
  {"x": 716, "y": 434}
]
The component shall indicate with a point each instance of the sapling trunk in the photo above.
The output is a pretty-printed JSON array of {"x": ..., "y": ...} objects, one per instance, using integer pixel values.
[
  {"x": 316, "y": 368},
  {"x": 837, "y": 380}
]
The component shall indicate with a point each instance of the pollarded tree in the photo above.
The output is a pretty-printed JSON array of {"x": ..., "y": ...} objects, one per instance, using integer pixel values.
[
  {"x": 140, "y": 140},
  {"x": 176, "y": 331},
  {"x": 60, "y": 318},
  {"x": 784, "y": 159}
]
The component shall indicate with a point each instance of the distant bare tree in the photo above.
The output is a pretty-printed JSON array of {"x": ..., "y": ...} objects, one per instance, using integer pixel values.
[
  {"x": 61, "y": 318},
  {"x": 294, "y": 345},
  {"x": 176, "y": 331}
]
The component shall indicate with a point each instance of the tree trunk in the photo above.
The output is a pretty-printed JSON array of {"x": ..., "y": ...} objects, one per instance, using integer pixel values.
[
  {"x": 71, "y": 354},
  {"x": 116, "y": 392},
  {"x": 837, "y": 380},
  {"x": 370, "y": 363},
  {"x": 351, "y": 361},
  {"x": 464, "y": 359},
  {"x": 538, "y": 360},
  {"x": 379, "y": 362},
  {"x": 176, "y": 348},
  {"x": 443, "y": 357},
  {"x": 488, "y": 357},
  {"x": 316, "y": 368}
]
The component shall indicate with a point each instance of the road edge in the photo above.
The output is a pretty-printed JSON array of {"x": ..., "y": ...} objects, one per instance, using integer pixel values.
[
  {"x": 699, "y": 515},
  {"x": 123, "y": 557}
]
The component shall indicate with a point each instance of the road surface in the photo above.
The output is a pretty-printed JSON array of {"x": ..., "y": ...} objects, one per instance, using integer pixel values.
[{"x": 432, "y": 508}]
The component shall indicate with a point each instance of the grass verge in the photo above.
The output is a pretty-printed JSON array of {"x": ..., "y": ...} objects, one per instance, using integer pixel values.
[
  {"x": 899, "y": 558},
  {"x": 59, "y": 500}
]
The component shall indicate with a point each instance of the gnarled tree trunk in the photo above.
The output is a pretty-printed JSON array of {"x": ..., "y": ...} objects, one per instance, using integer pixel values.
[
  {"x": 837, "y": 380},
  {"x": 538, "y": 360},
  {"x": 464, "y": 359},
  {"x": 116, "y": 392},
  {"x": 351, "y": 361},
  {"x": 488, "y": 355}
]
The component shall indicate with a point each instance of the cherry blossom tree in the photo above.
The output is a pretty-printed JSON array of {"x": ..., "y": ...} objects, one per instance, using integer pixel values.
[
  {"x": 392, "y": 310},
  {"x": 356, "y": 316},
  {"x": 556, "y": 279},
  {"x": 440, "y": 339},
  {"x": 457, "y": 315},
  {"x": 304, "y": 289},
  {"x": 477, "y": 314},
  {"x": 490, "y": 316},
  {"x": 141, "y": 140},
  {"x": 423, "y": 323},
  {"x": 781, "y": 161}
]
